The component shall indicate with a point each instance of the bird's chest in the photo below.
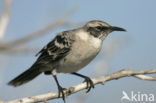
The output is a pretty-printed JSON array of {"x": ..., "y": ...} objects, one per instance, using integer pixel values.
[
  {"x": 86, "y": 50},
  {"x": 82, "y": 53}
]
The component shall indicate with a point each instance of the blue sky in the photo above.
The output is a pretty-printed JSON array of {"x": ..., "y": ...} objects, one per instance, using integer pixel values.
[{"x": 137, "y": 51}]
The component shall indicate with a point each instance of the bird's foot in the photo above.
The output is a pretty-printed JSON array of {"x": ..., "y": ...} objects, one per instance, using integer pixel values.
[
  {"x": 61, "y": 93},
  {"x": 90, "y": 84}
]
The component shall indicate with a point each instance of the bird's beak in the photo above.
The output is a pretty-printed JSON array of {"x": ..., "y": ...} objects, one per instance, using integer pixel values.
[{"x": 114, "y": 28}]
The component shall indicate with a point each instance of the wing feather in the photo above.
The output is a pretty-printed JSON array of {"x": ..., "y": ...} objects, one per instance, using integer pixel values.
[{"x": 58, "y": 48}]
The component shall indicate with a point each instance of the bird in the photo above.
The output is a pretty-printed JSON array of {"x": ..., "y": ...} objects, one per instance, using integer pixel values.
[{"x": 69, "y": 52}]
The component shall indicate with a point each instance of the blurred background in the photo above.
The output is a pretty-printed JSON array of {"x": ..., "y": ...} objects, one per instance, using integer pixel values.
[{"x": 27, "y": 25}]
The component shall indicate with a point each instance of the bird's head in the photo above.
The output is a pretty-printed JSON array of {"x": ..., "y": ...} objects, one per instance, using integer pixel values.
[{"x": 100, "y": 29}]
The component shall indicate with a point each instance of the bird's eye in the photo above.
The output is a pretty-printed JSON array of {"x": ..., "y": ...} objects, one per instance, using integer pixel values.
[{"x": 99, "y": 27}]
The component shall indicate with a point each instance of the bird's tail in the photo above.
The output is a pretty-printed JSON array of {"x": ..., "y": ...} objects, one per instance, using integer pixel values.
[{"x": 25, "y": 77}]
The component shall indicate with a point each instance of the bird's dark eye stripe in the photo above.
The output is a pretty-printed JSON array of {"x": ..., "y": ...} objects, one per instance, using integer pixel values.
[{"x": 102, "y": 28}]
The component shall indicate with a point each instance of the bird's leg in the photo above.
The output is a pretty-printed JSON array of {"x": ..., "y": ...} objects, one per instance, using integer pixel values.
[
  {"x": 87, "y": 80},
  {"x": 60, "y": 89}
]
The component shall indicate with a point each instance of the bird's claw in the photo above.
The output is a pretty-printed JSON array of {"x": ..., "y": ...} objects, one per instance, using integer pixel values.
[
  {"x": 61, "y": 93},
  {"x": 90, "y": 84}
]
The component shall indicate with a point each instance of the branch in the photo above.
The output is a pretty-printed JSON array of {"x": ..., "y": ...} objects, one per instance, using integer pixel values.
[
  {"x": 38, "y": 33},
  {"x": 99, "y": 80},
  {"x": 21, "y": 49},
  {"x": 4, "y": 18}
]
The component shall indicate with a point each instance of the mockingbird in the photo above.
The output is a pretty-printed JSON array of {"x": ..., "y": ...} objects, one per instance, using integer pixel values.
[{"x": 68, "y": 52}]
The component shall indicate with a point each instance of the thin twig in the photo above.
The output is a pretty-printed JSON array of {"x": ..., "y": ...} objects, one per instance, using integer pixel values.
[
  {"x": 21, "y": 49},
  {"x": 99, "y": 80},
  {"x": 4, "y": 18},
  {"x": 38, "y": 33}
]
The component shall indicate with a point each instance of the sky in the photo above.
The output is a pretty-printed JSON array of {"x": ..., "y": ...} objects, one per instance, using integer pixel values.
[{"x": 134, "y": 49}]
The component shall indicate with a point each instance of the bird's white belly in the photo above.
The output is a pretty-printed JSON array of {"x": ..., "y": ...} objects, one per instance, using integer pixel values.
[{"x": 82, "y": 54}]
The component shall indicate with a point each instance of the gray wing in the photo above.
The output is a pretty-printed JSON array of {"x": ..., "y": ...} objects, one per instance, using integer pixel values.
[{"x": 56, "y": 49}]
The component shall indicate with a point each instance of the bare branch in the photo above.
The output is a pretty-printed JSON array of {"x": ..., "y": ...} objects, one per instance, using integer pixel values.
[
  {"x": 38, "y": 33},
  {"x": 21, "y": 49},
  {"x": 145, "y": 77},
  {"x": 4, "y": 18},
  {"x": 100, "y": 80}
]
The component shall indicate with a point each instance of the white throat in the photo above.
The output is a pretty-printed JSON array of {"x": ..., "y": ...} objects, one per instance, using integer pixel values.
[
  {"x": 93, "y": 41},
  {"x": 83, "y": 35},
  {"x": 96, "y": 42}
]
